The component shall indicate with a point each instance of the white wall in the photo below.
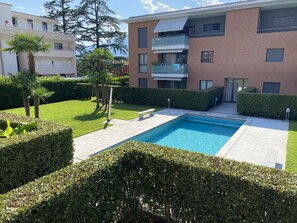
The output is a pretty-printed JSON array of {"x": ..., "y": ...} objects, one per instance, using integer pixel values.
[
  {"x": 5, "y": 14},
  {"x": 9, "y": 59}
]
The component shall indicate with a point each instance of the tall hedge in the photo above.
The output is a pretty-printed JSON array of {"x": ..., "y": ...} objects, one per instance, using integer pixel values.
[
  {"x": 174, "y": 184},
  {"x": 64, "y": 89},
  {"x": 185, "y": 99},
  {"x": 266, "y": 105},
  {"x": 25, "y": 157}
]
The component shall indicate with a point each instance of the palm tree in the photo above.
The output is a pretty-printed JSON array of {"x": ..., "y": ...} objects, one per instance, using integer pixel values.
[
  {"x": 27, "y": 43},
  {"x": 26, "y": 82},
  {"x": 40, "y": 93}
]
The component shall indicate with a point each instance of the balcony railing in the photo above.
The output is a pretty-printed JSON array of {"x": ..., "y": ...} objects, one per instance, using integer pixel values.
[
  {"x": 170, "y": 43},
  {"x": 169, "y": 71}
]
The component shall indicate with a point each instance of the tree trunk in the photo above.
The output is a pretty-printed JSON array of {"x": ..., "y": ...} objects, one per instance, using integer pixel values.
[
  {"x": 36, "y": 106},
  {"x": 97, "y": 97},
  {"x": 31, "y": 63},
  {"x": 26, "y": 104}
]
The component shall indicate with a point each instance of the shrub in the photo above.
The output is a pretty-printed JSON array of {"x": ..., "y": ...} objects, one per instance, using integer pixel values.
[
  {"x": 120, "y": 80},
  {"x": 10, "y": 94},
  {"x": 266, "y": 105},
  {"x": 196, "y": 100},
  {"x": 84, "y": 90},
  {"x": 180, "y": 185},
  {"x": 25, "y": 157}
]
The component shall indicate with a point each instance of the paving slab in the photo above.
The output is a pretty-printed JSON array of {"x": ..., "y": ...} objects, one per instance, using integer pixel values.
[{"x": 259, "y": 141}]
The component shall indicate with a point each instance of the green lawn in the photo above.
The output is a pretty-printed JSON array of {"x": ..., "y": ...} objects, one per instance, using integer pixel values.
[
  {"x": 291, "y": 164},
  {"x": 80, "y": 114}
]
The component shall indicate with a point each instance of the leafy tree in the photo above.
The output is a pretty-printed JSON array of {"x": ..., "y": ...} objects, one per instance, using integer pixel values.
[
  {"x": 26, "y": 82},
  {"x": 27, "y": 43},
  {"x": 61, "y": 11},
  {"x": 98, "y": 25},
  {"x": 96, "y": 67}
]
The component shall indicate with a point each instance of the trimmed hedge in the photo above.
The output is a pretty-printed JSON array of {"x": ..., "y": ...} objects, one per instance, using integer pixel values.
[
  {"x": 266, "y": 105},
  {"x": 185, "y": 99},
  {"x": 25, "y": 157},
  {"x": 64, "y": 90},
  {"x": 176, "y": 184}
]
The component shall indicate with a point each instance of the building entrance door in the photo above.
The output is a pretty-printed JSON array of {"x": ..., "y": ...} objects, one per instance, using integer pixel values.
[{"x": 233, "y": 86}]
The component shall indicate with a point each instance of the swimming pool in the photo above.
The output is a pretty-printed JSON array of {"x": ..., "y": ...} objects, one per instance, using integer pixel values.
[{"x": 194, "y": 133}]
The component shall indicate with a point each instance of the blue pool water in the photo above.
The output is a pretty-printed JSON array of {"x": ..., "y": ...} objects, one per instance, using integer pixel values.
[{"x": 194, "y": 133}]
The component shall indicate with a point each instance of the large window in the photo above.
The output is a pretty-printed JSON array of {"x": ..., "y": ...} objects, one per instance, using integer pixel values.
[
  {"x": 58, "y": 46},
  {"x": 275, "y": 55},
  {"x": 142, "y": 58},
  {"x": 142, "y": 82},
  {"x": 271, "y": 87},
  {"x": 205, "y": 84},
  {"x": 30, "y": 23},
  {"x": 207, "y": 56},
  {"x": 212, "y": 27},
  {"x": 142, "y": 38}
]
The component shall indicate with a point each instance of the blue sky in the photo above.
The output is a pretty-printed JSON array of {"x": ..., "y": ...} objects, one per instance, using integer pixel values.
[{"x": 124, "y": 9}]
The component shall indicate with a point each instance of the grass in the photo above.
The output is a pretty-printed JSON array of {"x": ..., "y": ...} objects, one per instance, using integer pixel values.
[
  {"x": 80, "y": 114},
  {"x": 291, "y": 163}
]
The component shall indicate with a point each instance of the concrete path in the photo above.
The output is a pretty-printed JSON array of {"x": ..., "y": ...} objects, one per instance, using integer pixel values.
[{"x": 259, "y": 141}]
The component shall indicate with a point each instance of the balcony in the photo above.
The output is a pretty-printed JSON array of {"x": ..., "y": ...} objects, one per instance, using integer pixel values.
[
  {"x": 170, "y": 44},
  {"x": 174, "y": 72},
  {"x": 50, "y": 70}
]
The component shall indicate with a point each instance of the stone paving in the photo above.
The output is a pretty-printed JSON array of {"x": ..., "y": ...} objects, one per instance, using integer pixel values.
[{"x": 259, "y": 141}]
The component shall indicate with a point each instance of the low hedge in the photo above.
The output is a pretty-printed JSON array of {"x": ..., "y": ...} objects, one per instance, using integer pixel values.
[
  {"x": 185, "y": 99},
  {"x": 10, "y": 95},
  {"x": 266, "y": 105},
  {"x": 138, "y": 177},
  {"x": 25, "y": 157}
]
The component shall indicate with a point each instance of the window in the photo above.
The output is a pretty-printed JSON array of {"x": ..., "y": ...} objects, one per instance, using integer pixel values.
[
  {"x": 58, "y": 46},
  {"x": 284, "y": 21},
  {"x": 53, "y": 63},
  {"x": 190, "y": 30},
  {"x": 44, "y": 26},
  {"x": 271, "y": 87},
  {"x": 142, "y": 61},
  {"x": 142, "y": 82},
  {"x": 207, "y": 56},
  {"x": 14, "y": 21},
  {"x": 30, "y": 23},
  {"x": 205, "y": 84},
  {"x": 212, "y": 27},
  {"x": 142, "y": 38},
  {"x": 275, "y": 55}
]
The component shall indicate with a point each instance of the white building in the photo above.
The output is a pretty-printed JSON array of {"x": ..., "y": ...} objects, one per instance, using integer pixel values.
[{"x": 61, "y": 57}]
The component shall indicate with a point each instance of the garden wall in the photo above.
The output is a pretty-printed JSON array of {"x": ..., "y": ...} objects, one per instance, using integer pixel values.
[
  {"x": 266, "y": 105},
  {"x": 185, "y": 99},
  {"x": 174, "y": 184},
  {"x": 25, "y": 157}
]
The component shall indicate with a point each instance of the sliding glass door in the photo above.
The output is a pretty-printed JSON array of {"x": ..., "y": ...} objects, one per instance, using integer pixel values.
[{"x": 233, "y": 86}]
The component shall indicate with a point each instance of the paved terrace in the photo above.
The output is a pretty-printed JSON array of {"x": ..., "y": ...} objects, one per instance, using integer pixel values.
[{"x": 259, "y": 141}]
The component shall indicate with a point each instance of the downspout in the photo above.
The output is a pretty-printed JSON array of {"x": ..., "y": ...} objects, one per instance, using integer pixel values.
[{"x": 1, "y": 59}]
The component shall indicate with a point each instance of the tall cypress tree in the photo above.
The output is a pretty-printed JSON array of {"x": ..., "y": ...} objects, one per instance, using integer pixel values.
[
  {"x": 99, "y": 25},
  {"x": 62, "y": 11}
]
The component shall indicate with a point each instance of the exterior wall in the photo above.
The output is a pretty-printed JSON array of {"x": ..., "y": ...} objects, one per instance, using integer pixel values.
[
  {"x": 199, "y": 24},
  {"x": 134, "y": 51},
  {"x": 64, "y": 60},
  {"x": 241, "y": 53}
]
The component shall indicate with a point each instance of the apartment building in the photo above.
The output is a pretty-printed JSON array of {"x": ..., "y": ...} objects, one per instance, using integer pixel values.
[
  {"x": 61, "y": 58},
  {"x": 236, "y": 45}
]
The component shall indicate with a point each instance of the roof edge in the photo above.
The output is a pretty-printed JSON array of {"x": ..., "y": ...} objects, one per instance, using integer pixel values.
[{"x": 207, "y": 10}]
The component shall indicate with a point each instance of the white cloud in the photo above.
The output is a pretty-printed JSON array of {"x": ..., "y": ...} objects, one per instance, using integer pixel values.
[
  {"x": 186, "y": 7},
  {"x": 153, "y": 6},
  {"x": 118, "y": 16},
  {"x": 208, "y": 2},
  {"x": 20, "y": 7},
  {"x": 42, "y": 10}
]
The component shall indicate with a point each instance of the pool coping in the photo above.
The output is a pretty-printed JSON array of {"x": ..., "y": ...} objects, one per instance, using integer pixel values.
[{"x": 91, "y": 144}]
